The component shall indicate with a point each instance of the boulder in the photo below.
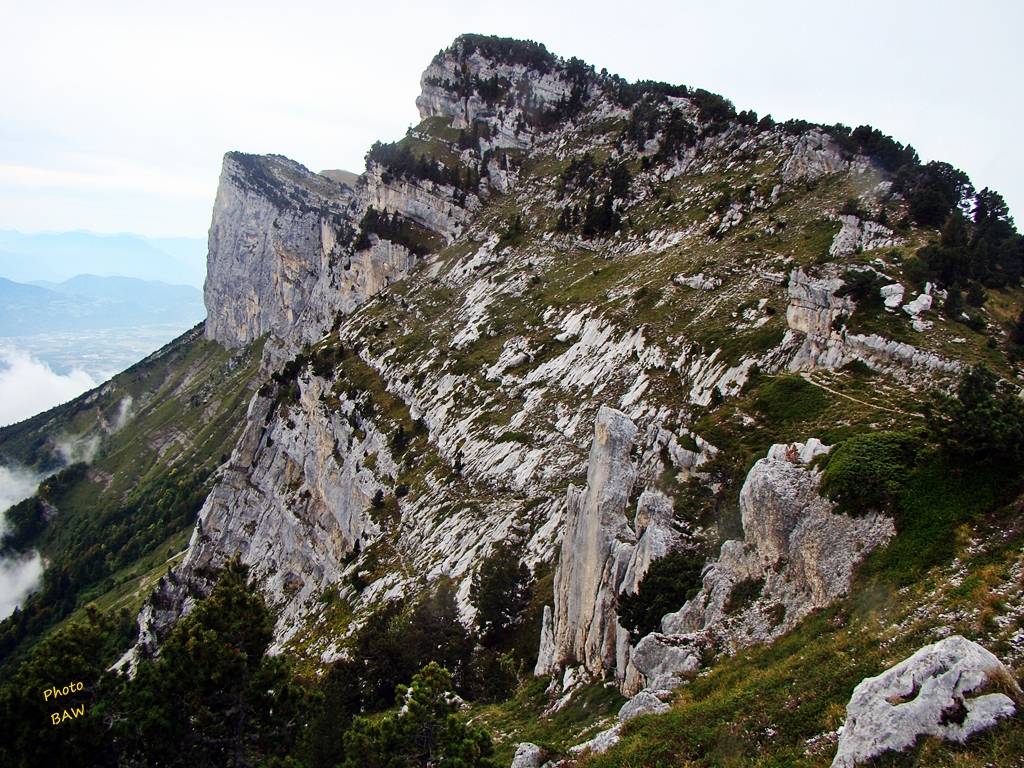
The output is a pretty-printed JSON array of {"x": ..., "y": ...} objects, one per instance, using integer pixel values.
[
  {"x": 644, "y": 703},
  {"x": 528, "y": 756},
  {"x": 943, "y": 690},
  {"x": 892, "y": 295},
  {"x": 601, "y": 743},
  {"x": 662, "y": 659}
]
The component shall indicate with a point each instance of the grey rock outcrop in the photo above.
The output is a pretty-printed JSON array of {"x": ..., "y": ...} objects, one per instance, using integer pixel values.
[
  {"x": 797, "y": 555},
  {"x": 814, "y": 306},
  {"x": 452, "y": 87},
  {"x": 945, "y": 690},
  {"x": 643, "y": 703},
  {"x": 662, "y": 660},
  {"x": 283, "y": 258},
  {"x": 654, "y": 524},
  {"x": 857, "y": 235},
  {"x": 292, "y": 502},
  {"x": 528, "y": 756},
  {"x": 814, "y": 155},
  {"x": 432, "y": 206},
  {"x": 601, "y": 742},
  {"x": 597, "y": 546},
  {"x": 815, "y": 313}
]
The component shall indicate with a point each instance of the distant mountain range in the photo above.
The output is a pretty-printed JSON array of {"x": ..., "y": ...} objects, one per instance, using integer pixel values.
[
  {"x": 87, "y": 302},
  {"x": 58, "y": 256}
]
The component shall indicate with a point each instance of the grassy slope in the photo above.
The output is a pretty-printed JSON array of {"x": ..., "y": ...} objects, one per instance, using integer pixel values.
[
  {"x": 770, "y": 705},
  {"x": 188, "y": 404}
]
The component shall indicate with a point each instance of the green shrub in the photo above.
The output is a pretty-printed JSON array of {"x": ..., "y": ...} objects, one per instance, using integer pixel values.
[
  {"x": 788, "y": 399},
  {"x": 670, "y": 581},
  {"x": 867, "y": 472}
]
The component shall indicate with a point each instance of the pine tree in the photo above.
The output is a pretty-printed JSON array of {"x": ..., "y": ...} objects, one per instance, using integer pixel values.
[
  {"x": 212, "y": 696},
  {"x": 426, "y": 732},
  {"x": 500, "y": 591}
]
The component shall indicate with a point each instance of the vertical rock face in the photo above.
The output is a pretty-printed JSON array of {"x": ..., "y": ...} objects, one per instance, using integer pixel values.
[
  {"x": 596, "y": 549},
  {"x": 603, "y": 555},
  {"x": 948, "y": 690},
  {"x": 292, "y": 502},
  {"x": 815, "y": 155},
  {"x": 276, "y": 228},
  {"x": 283, "y": 254},
  {"x": 796, "y": 556}
]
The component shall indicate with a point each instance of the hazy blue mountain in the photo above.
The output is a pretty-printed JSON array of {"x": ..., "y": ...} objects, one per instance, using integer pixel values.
[
  {"x": 87, "y": 302},
  {"x": 58, "y": 256}
]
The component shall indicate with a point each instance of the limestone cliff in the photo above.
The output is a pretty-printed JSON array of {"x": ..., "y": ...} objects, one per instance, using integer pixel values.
[
  {"x": 277, "y": 229},
  {"x": 603, "y": 555},
  {"x": 554, "y": 313},
  {"x": 797, "y": 555}
]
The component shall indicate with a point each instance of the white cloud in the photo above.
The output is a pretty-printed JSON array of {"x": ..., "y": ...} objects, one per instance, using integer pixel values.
[
  {"x": 18, "y": 578},
  {"x": 29, "y": 386},
  {"x": 15, "y": 484},
  {"x": 18, "y": 575}
]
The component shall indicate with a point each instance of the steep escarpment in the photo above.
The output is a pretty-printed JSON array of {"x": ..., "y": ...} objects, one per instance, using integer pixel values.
[
  {"x": 500, "y": 305},
  {"x": 617, "y": 344}
]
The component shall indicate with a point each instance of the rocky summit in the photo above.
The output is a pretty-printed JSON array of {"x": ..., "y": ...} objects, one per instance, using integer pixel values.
[{"x": 622, "y": 427}]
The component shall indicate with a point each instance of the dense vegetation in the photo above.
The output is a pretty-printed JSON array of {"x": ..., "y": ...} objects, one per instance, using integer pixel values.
[
  {"x": 669, "y": 582},
  {"x": 213, "y": 697},
  {"x": 394, "y": 228},
  {"x": 399, "y": 161}
]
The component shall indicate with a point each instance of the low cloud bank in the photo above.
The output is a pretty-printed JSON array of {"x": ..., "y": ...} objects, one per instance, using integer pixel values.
[
  {"x": 29, "y": 386},
  {"x": 19, "y": 576}
]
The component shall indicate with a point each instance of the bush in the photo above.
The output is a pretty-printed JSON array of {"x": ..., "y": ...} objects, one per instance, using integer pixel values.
[
  {"x": 863, "y": 286},
  {"x": 866, "y": 473},
  {"x": 426, "y": 731},
  {"x": 500, "y": 592},
  {"x": 788, "y": 399},
  {"x": 983, "y": 423},
  {"x": 668, "y": 584}
]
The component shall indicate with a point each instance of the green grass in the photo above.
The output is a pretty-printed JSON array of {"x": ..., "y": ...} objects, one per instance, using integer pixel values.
[
  {"x": 785, "y": 400},
  {"x": 936, "y": 499},
  {"x": 519, "y": 719}
]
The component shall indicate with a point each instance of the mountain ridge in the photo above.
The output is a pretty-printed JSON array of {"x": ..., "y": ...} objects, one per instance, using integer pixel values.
[{"x": 602, "y": 323}]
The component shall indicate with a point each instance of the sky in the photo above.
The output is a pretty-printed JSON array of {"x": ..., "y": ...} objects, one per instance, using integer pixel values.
[{"x": 114, "y": 115}]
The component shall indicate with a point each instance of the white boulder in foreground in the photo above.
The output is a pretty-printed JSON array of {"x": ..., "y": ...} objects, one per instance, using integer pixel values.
[
  {"x": 528, "y": 756},
  {"x": 943, "y": 690}
]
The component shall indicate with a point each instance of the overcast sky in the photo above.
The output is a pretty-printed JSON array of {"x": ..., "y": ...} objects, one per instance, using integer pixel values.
[{"x": 114, "y": 115}]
